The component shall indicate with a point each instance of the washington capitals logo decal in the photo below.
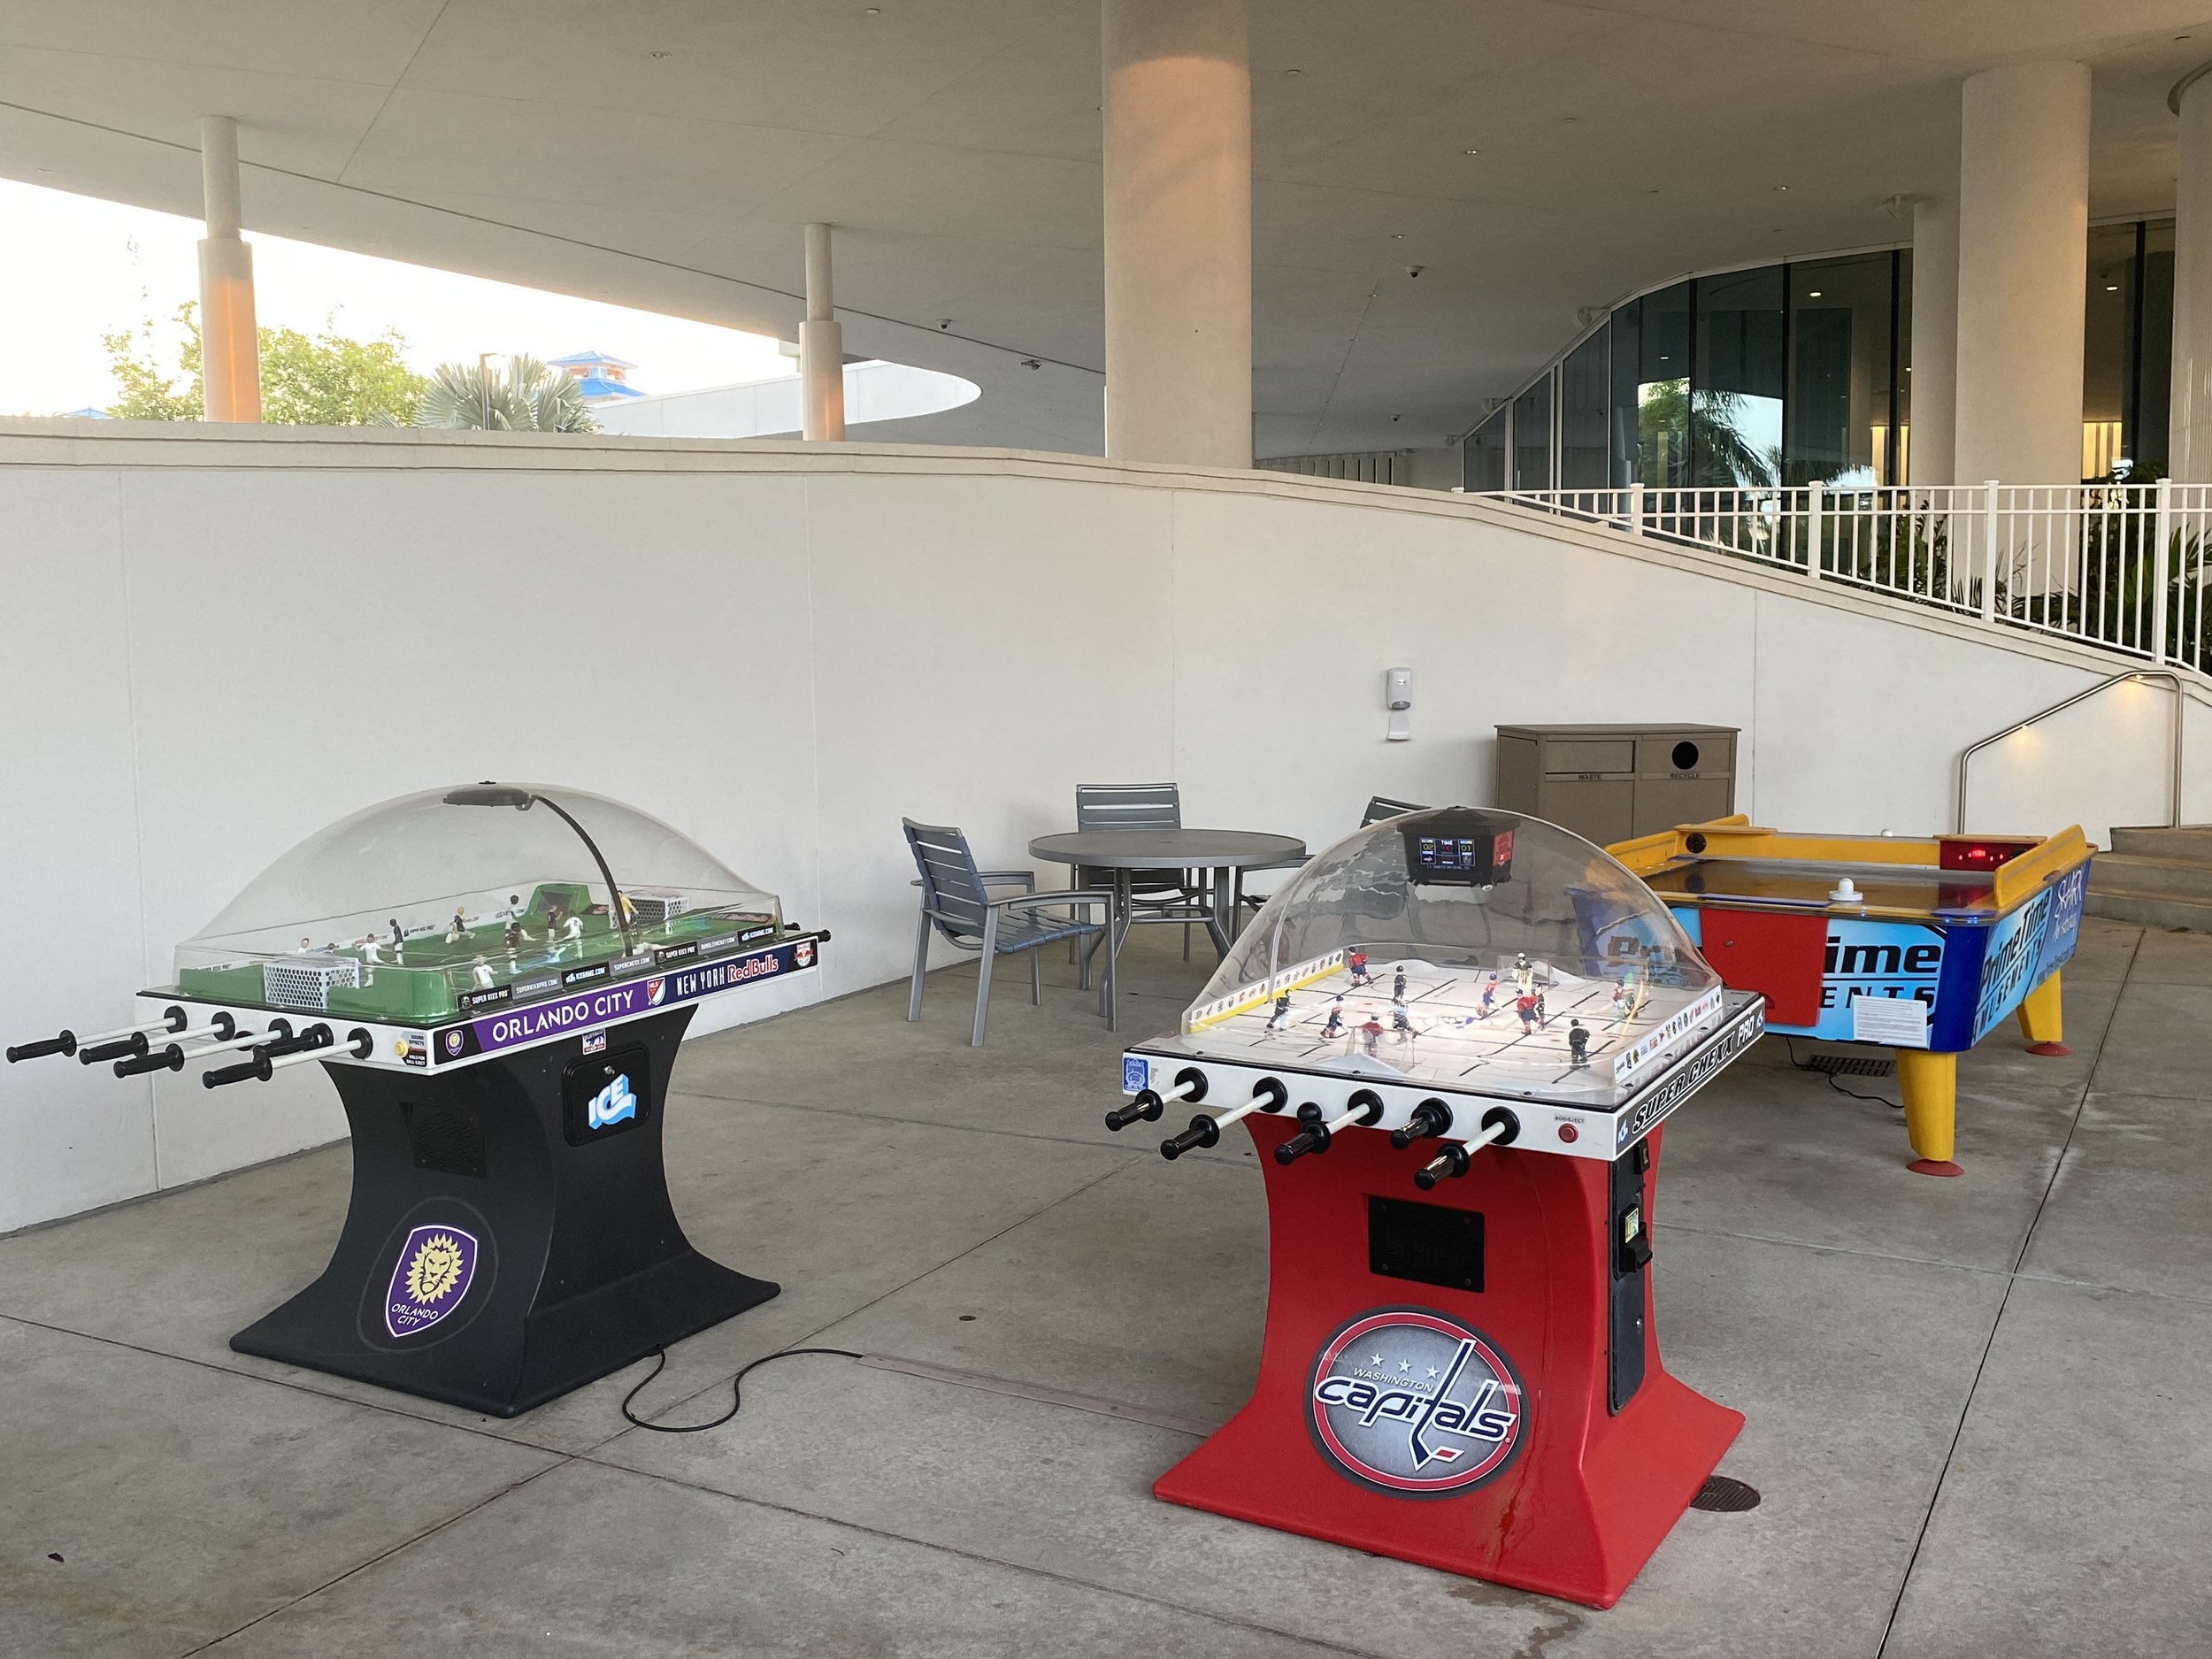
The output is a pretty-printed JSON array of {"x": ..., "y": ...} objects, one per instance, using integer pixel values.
[{"x": 1409, "y": 1402}]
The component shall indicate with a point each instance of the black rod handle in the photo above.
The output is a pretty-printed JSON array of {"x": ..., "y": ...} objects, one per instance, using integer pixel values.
[
  {"x": 66, "y": 1043},
  {"x": 134, "y": 1044},
  {"x": 1430, "y": 1118},
  {"x": 1146, "y": 1107},
  {"x": 244, "y": 1070},
  {"x": 168, "y": 1058},
  {"x": 1203, "y": 1132}
]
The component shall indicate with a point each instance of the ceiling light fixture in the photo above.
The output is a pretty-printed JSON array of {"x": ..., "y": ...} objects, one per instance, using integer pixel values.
[
  {"x": 2112, "y": 287},
  {"x": 1781, "y": 187},
  {"x": 1813, "y": 294},
  {"x": 1474, "y": 152}
]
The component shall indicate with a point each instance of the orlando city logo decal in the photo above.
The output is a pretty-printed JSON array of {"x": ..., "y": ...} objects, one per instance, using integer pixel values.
[
  {"x": 1407, "y": 1401},
  {"x": 429, "y": 1279}
]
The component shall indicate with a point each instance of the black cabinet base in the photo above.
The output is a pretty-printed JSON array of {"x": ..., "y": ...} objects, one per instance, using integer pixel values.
[{"x": 510, "y": 1236}]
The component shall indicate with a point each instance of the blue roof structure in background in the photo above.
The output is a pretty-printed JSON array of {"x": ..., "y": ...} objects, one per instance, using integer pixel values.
[
  {"x": 593, "y": 386},
  {"x": 599, "y": 378}
]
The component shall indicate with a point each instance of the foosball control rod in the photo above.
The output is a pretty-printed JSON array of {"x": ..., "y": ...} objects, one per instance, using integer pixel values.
[
  {"x": 279, "y": 1028},
  {"x": 1267, "y": 1095},
  {"x": 171, "y": 1056},
  {"x": 314, "y": 1043},
  {"x": 1499, "y": 1127},
  {"x": 1364, "y": 1107},
  {"x": 108, "y": 1045},
  {"x": 1190, "y": 1084},
  {"x": 138, "y": 1050},
  {"x": 1431, "y": 1118},
  {"x": 67, "y": 1043}
]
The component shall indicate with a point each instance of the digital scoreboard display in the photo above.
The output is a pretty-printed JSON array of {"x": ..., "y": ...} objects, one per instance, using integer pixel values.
[{"x": 1459, "y": 847}]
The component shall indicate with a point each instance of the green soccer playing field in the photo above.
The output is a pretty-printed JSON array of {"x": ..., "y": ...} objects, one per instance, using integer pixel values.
[{"x": 425, "y": 981}]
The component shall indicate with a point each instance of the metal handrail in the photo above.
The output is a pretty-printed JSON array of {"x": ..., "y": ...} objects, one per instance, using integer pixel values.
[{"x": 2173, "y": 779}]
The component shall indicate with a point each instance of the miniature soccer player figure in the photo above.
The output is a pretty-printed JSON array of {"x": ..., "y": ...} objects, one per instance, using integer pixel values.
[
  {"x": 399, "y": 938},
  {"x": 1356, "y": 960},
  {"x": 1526, "y": 1006},
  {"x": 1370, "y": 1034},
  {"x": 575, "y": 928},
  {"x": 1398, "y": 987},
  {"x": 306, "y": 945},
  {"x": 515, "y": 935},
  {"x": 514, "y": 907},
  {"x": 1279, "y": 1020},
  {"x": 1335, "y": 1025},
  {"x": 484, "y": 975},
  {"x": 371, "y": 951},
  {"x": 1401, "y": 1022},
  {"x": 1489, "y": 997},
  {"x": 1578, "y": 1043}
]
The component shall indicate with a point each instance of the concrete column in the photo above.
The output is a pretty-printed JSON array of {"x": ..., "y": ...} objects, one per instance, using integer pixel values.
[
  {"x": 2189, "y": 435},
  {"x": 2023, "y": 253},
  {"x": 1177, "y": 152},
  {"x": 1933, "y": 414},
  {"x": 821, "y": 347},
  {"x": 230, "y": 346}
]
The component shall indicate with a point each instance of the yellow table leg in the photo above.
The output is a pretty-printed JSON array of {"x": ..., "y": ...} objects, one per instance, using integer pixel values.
[
  {"x": 2039, "y": 1021},
  {"x": 1929, "y": 1084}
]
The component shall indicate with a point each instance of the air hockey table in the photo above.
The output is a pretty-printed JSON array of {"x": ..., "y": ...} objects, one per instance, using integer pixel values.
[{"x": 1920, "y": 945}]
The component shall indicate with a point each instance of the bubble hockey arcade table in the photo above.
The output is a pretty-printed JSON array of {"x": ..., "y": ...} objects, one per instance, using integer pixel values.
[
  {"x": 499, "y": 1018},
  {"x": 1453, "y": 1037}
]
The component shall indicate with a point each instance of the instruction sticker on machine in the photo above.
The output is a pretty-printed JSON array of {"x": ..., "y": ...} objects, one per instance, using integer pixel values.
[{"x": 1896, "y": 1021}]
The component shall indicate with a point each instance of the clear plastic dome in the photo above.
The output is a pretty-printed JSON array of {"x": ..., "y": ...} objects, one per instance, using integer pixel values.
[
  {"x": 423, "y": 906},
  {"x": 1461, "y": 947}
]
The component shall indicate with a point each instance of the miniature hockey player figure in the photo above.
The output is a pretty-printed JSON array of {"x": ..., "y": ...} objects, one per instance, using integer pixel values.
[
  {"x": 1334, "y": 1027},
  {"x": 1489, "y": 997},
  {"x": 1356, "y": 960},
  {"x": 1398, "y": 987},
  {"x": 1525, "y": 1005},
  {"x": 1523, "y": 973},
  {"x": 1279, "y": 1020},
  {"x": 1578, "y": 1044},
  {"x": 484, "y": 975},
  {"x": 1370, "y": 1034},
  {"x": 1401, "y": 1022},
  {"x": 1628, "y": 998}
]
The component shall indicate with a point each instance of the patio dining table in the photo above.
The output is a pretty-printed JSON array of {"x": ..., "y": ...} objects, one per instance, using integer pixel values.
[{"x": 1123, "y": 853}]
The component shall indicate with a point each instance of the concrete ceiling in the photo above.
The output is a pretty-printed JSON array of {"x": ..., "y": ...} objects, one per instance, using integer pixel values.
[{"x": 663, "y": 153}]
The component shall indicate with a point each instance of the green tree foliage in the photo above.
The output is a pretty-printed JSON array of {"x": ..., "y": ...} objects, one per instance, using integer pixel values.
[
  {"x": 528, "y": 396},
  {"x": 328, "y": 381}
]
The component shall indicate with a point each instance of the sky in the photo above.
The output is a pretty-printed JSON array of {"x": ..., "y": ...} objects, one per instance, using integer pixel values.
[{"x": 101, "y": 266}]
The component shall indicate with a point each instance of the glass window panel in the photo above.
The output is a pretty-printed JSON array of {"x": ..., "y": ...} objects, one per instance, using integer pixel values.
[
  {"x": 2152, "y": 361},
  {"x": 1900, "y": 462},
  {"x": 2104, "y": 358},
  {"x": 1485, "y": 454},
  {"x": 1837, "y": 426},
  {"x": 1531, "y": 437},
  {"x": 1736, "y": 406},
  {"x": 1584, "y": 458},
  {"x": 1662, "y": 388},
  {"x": 1626, "y": 327}
]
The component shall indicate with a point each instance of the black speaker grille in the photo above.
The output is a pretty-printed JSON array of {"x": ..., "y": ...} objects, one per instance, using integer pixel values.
[{"x": 447, "y": 1138}]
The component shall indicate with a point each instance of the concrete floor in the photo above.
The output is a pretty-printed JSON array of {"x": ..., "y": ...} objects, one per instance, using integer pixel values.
[{"x": 1977, "y": 1412}]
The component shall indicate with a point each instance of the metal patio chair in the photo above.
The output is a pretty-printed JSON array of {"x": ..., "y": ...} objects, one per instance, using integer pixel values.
[
  {"x": 1172, "y": 896},
  {"x": 1381, "y": 806},
  {"x": 957, "y": 903}
]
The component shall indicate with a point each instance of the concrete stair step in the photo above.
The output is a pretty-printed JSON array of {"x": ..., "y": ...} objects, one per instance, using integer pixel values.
[
  {"x": 2140, "y": 912},
  {"x": 2189, "y": 842},
  {"x": 2151, "y": 878}
]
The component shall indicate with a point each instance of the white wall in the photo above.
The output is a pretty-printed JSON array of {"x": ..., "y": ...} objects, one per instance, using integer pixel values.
[
  {"x": 874, "y": 392},
  {"x": 215, "y": 642}
]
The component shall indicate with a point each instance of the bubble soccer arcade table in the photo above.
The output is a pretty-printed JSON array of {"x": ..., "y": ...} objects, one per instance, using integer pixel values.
[{"x": 499, "y": 1014}]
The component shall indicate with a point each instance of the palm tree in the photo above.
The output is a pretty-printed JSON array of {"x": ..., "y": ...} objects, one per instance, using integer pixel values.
[{"x": 530, "y": 397}]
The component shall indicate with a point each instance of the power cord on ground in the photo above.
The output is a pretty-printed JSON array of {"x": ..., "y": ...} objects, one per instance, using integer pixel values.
[
  {"x": 1878, "y": 1100},
  {"x": 737, "y": 1384}
]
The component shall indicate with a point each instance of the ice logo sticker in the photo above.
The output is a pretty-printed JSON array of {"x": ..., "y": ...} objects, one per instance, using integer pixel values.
[
  {"x": 1405, "y": 1400},
  {"x": 1135, "y": 1074},
  {"x": 429, "y": 1279},
  {"x": 611, "y": 1105}
]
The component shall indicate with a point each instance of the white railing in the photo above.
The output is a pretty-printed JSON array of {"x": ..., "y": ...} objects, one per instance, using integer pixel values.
[{"x": 2118, "y": 565}]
